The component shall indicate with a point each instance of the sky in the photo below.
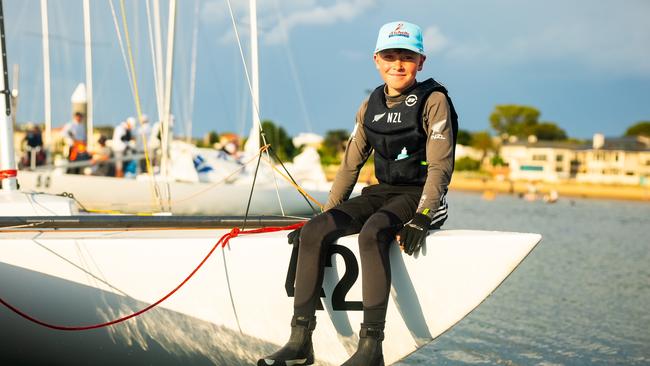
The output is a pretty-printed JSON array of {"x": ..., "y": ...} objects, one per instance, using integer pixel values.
[{"x": 584, "y": 64}]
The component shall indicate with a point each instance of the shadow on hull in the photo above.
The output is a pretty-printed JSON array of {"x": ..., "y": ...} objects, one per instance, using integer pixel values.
[{"x": 159, "y": 337}]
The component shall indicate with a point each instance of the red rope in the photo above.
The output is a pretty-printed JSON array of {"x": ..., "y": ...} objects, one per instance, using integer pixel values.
[
  {"x": 223, "y": 241},
  {"x": 9, "y": 173}
]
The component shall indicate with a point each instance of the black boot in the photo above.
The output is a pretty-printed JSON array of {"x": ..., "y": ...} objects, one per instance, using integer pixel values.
[
  {"x": 299, "y": 349},
  {"x": 369, "y": 352}
]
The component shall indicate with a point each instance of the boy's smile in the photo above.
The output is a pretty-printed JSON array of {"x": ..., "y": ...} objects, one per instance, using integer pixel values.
[{"x": 398, "y": 68}]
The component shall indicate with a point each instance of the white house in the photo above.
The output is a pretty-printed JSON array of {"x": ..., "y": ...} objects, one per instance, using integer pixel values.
[
  {"x": 621, "y": 160},
  {"x": 540, "y": 161}
]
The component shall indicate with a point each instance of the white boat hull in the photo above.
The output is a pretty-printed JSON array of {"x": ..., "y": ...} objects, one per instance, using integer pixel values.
[
  {"x": 236, "y": 308},
  {"x": 136, "y": 195}
]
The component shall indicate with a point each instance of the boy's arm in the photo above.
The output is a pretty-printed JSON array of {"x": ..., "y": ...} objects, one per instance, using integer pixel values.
[
  {"x": 356, "y": 154},
  {"x": 439, "y": 151}
]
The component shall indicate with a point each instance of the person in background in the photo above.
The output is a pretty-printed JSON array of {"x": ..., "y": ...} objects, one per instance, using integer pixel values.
[
  {"x": 100, "y": 158},
  {"x": 121, "y": 139},
  {"x": 230, "y": 151},
  {"x": 411, "y": 126},
  {"x": 74, "y": 136},
  {"x": 155, "y": 139},
  {"x": 141, "y": 139},
  {"x": 154, "y": 143},
  {"x": 33, "y": 147}
]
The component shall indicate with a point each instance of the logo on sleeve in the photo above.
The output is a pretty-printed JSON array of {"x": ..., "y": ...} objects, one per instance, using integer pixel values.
[
  {"x": 353, "y": 135},
  {"x": 436, "y": 130},
  {"x": 411, "y": 100}
]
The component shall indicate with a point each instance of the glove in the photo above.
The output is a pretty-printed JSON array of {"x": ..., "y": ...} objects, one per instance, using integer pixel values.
[
  {"x": 294, "y": 237},
  {"x": 414, "y": 233}
]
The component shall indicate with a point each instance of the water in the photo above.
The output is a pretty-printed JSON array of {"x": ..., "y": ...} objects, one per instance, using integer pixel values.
[{"x": 581, "y": 298}]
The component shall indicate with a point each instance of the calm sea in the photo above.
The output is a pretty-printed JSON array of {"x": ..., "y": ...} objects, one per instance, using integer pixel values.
[{"x": 581, "y": 298}]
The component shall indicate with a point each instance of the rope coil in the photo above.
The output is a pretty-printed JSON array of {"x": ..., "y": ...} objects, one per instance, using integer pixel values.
[{"x": 223, "y": 241}]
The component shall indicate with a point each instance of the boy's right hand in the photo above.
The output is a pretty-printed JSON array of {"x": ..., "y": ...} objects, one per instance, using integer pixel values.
[{"x": 294, "y": 237}]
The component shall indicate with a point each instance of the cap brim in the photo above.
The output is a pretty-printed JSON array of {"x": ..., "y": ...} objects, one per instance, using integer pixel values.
[{"x": 400, "y": 46}]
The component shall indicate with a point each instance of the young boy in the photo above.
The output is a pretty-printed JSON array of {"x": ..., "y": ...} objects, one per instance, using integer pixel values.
[{"x": 411, "y": 126}]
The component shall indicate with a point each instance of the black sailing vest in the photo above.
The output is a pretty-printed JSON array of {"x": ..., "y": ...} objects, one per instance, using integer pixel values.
[{"x": 397, "y": 136}]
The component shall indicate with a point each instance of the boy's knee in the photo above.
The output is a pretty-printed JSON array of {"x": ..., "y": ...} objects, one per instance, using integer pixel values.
[
  {"x": 369, "y": 237},
  {"x": 316, "y": 229},
  {"x": 379, "y": 229}
]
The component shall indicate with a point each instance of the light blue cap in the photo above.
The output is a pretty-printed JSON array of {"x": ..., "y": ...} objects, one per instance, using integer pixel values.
[{"x": 400, "y": 35}]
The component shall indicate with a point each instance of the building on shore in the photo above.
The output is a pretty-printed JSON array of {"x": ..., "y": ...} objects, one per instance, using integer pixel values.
[
  {"x": 463, "y": 151},
  {"x": 547, "y": 161},
  {"x": 620, "y": 160},
  {"x": 623, "y": 160}
]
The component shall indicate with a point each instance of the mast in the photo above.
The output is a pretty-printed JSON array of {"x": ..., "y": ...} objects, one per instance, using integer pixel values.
[
  {"x": 169, "y": 68},
  {"x": 14, "y": 94},
  {"x": 7, "y": 157},
  {"x": 195, "y": 36},
  {"x": 253, "y": 143},
  {"x": 158, "y": 60},
  {"x": 46, "y": 79},
  {"x": 89, "y": 76}
]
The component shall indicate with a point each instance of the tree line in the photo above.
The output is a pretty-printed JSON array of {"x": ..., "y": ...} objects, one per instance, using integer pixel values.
[
  {"x": 506, "y": 121},
  {"x": 520, "y": 122}
]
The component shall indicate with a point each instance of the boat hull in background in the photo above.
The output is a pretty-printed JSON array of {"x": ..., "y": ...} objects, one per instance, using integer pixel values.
[{"x": 134, "y": 196}]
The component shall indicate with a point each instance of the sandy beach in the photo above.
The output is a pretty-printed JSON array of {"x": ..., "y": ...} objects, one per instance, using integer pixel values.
[
  {"x": 564, "y": 189},
  {"x": 463, "y": 181}
]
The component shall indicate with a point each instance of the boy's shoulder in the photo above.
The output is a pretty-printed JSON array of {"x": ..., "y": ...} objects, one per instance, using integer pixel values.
[
  {"x": 361, "y": 112},
  {"x": 437, "y": 96},
  {"x": 435, "y": 101}
]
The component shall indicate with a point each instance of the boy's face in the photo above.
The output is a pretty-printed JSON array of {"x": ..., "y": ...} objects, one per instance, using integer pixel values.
[{"x": 398, "y": 68}]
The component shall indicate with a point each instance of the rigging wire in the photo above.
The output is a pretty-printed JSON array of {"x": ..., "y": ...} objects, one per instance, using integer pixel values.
[
  {"x": 90, "y": 280},
  {"x": 33, "y": 201},
  {"x": 232, "y": 298},
  {"x": 293, "y": 67},
  {"x": 256, "y": 109},
  {"x": 155, "y": 190},
  {"x": 293, "y": 182},
  {"x": 94, "y": 263},
  {"x": 119, "y": 40},
  {"x": 36, "y": 240},
  {"x": 157, "y": 86}
]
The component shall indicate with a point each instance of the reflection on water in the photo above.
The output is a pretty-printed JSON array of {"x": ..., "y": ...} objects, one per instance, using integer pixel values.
[{"x": 581, "y": 298}]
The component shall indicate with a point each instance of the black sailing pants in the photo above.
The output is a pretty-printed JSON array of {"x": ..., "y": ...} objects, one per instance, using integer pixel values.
[{"x": 377, "y": 215}]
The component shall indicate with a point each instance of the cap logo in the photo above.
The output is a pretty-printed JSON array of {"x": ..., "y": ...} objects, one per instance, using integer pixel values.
[
  {"x": 398, "y": 32},
  {"x": 411, "y": 100}
]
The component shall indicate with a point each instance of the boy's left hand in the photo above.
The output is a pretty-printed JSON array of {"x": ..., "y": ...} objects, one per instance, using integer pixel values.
[
  {"x": 414, "y": 233},
  {"x": 293, "y": 237}
]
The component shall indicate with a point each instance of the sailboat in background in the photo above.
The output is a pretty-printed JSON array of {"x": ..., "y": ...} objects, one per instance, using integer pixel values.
[{"x": 220, "y": 187}]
